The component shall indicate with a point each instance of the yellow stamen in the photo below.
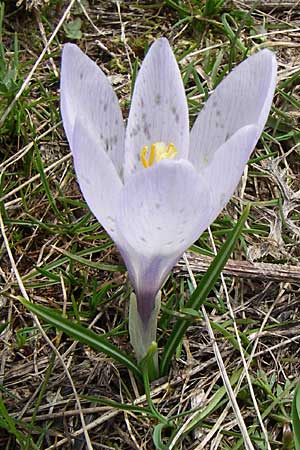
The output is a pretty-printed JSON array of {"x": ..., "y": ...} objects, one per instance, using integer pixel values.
[
  {"x": 152, "y": 155},
  {"x": 143, "y": 156},
  {"x": 158, "y": 152}
]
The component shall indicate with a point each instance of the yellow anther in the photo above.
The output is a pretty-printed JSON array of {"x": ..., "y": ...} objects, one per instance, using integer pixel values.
[
  {"x": 143, "y": 156},
  {"x": 158, "y": 152},
  {"x": 152, "y": 155},
  {"x": 171, "y": 151}
]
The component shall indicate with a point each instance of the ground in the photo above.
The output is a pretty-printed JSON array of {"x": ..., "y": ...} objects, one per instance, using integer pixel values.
[{"x": 57, "y": 392}]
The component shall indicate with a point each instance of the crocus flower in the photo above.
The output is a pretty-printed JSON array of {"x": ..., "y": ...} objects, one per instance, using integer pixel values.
[{"x": 156, "y": 186}]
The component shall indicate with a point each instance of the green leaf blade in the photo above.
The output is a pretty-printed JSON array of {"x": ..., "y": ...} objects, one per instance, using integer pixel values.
[
  {"x": 203, "y": 289},
  {"x": 296, "y": 417},
  {"x": 82, "y": 334}
]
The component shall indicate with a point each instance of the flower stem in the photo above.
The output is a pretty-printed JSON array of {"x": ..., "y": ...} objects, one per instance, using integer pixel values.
[
  {"x": 148, "y": 369},
  {"x": 143, "y": 335}
]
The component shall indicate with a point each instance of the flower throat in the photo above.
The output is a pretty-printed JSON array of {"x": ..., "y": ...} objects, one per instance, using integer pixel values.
[{"x": 158, "y": 152}]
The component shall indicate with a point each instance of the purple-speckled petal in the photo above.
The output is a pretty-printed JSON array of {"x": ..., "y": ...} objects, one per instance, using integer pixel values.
[
  {"x": 162, "y": 211},
  {"x": 86, "y": 92},
  {"x": 223, "y": 173},
  {"x": 243, "y": 98},
  {"x": 159, "y": 111},
  {"x": 97, "y": 177}
]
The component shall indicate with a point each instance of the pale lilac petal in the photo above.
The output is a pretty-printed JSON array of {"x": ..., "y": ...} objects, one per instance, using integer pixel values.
[
  {"x": 147, "y": 276},
  {"x": 162, "y": 211},
  {"x": 244, "y": 97},
  {"x": 86, "y": 92},
  {"x": 223, "y": 173},
  {"x": 97, "y": 177},
  {"x": 159, "y": 111}
]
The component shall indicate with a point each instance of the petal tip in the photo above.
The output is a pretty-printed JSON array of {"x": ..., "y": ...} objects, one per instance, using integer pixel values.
[
  {"x": 69, "y": 48},
  {"x": 161, "y": 44},
  {"x": 163, "y": 41},
  {"x": 266, "y": 57}
]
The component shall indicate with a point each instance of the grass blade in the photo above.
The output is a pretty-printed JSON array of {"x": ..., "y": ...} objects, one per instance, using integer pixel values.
[
  {"x": 296, "y": 417},
  {"x": 82, "y": 334},
  {"x": 201, "y": 292}
]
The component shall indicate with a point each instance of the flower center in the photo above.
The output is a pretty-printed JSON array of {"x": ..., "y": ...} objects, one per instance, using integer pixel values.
[{"x": 158, "y": 151}]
